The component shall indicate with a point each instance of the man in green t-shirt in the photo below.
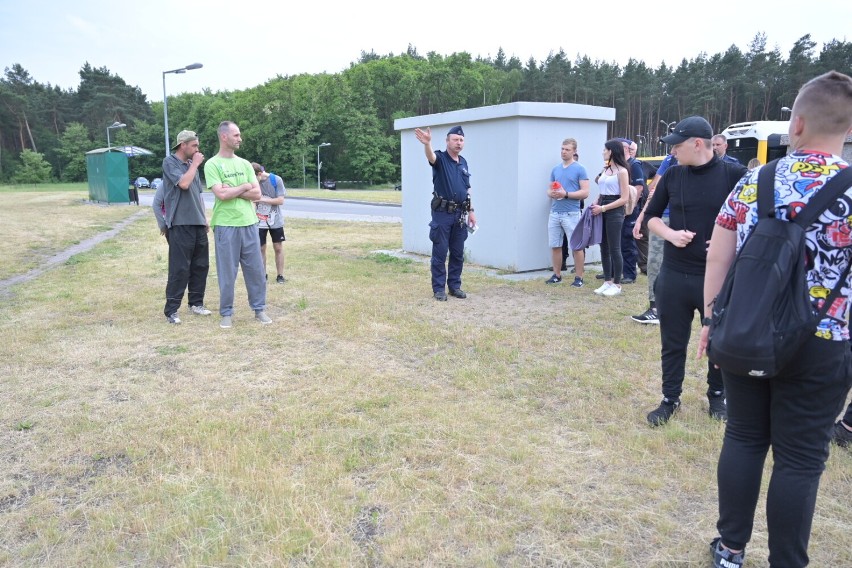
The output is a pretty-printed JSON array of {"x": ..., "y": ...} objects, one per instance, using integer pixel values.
[{"x": 234, "y": 222}]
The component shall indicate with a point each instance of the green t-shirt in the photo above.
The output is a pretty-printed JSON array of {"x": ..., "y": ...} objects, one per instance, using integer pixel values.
[{"x": 234, "y": 171}]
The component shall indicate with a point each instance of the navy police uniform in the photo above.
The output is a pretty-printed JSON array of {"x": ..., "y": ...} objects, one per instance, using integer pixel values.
[
  {"x": 447, "y": 230},
  {"x": 629, "y": 246}
]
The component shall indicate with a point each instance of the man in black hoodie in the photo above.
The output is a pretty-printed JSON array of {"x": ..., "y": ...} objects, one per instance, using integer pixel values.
[{"x": 693, "y": 191}]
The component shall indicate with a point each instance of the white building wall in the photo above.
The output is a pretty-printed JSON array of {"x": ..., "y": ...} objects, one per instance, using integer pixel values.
[{"x": 510, "y": 150}]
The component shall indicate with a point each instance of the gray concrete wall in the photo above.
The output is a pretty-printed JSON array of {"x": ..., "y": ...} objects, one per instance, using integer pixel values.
[{"x": 510, "y": 150}]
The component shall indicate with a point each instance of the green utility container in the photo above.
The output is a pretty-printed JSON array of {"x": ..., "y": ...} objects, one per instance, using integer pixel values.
[{"x": 109, "y": 175}]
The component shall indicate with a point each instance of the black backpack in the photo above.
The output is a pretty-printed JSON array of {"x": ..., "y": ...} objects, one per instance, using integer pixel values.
[{"x": 763, "y": 312}]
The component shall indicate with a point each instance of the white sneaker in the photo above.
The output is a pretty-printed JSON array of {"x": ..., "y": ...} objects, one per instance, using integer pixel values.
[
  {"x": 603, "y": 288},
  {"x": 200, "y": 310},
  {"x": 262, "y": 317},
  {"x": 613, "y": 290}
]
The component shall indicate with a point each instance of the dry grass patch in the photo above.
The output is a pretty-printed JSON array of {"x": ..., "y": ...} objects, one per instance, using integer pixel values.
[
  {"x": 37, "y": 225},
  {"x": 368, "y": 425}
]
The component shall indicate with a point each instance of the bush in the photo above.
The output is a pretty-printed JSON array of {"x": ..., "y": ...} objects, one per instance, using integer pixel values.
[{"x": 33, "y": 169}]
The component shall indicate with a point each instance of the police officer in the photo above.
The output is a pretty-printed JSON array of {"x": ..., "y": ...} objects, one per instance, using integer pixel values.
[{"x": 451, "y": 211}]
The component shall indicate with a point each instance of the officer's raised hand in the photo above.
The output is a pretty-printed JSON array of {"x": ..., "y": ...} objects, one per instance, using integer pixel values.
[{"x": 424, "y": 136}]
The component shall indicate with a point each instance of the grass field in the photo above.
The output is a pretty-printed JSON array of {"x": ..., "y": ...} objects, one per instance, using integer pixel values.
[
  {"x": 40, "y": 223},
  {"x": 367, "y": 426},
  {"x": 44, "y": 188}
]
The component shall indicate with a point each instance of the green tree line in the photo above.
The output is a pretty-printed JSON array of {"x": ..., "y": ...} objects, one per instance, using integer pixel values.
[{"x": 285, "y": 119}]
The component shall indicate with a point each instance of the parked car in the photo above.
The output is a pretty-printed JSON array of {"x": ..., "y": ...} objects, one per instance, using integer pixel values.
[
  {"x": 141, "y": 182},
  {"x": 329, "y": 184},
  {"x": 156, "y": 183},
  {"x": 397, "y": 187}
]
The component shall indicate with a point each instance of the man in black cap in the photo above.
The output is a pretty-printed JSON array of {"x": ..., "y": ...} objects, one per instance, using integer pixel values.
[
  {"x": 694, "y": 192},
  {"x": 452, "y": 212}
]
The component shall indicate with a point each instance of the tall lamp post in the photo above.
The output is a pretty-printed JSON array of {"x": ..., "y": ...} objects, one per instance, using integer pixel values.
[
  {"x": 319, "y": 164},
  {"x": 669, "y": 126},
  {"x": 166, "y": 99},
  {"x": 113, "y": 126},
  {"x": 641, "y": 140}
]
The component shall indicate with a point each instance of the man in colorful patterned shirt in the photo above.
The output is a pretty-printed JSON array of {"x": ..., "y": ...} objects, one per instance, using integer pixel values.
[{"x": 794, "y": 411}]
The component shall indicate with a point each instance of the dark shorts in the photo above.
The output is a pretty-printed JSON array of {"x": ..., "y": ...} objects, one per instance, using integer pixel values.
[{"x": 276, "y": 234}]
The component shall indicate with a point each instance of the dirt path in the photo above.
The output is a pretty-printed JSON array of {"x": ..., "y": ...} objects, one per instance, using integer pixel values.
[{"x": 63, "y": 256}]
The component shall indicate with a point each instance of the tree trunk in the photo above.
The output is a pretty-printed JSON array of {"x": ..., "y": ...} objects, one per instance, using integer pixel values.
[{"x": 29, "y": 132}]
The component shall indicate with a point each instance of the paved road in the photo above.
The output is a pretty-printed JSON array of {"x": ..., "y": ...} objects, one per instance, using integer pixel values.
[{"x": 326, "y": 209}]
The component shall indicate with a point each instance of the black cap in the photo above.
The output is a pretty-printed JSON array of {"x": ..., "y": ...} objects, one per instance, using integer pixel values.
[
  {"x": 456, "y": 130},
  {"x": 691, "y": 127}
]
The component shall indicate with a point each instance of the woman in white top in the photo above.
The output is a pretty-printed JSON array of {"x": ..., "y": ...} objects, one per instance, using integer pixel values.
[{"x": 614, "y": 185}]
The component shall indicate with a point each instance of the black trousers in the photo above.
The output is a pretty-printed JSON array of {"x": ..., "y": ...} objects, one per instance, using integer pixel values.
[
  {"x": 679, "y": 296},
  {"x": 793, "y": 413},
  {"x": 629, "y": 248},
  {"x": 189, "y": 263},
  {"x": 611, "y": 259}
]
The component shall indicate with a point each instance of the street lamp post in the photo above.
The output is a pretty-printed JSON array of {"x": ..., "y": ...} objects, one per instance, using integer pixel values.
[
  {"x": 641, "y": 140},
  {"x": 669, "y": 126},
  {"x": 166, "y": 99},
  {"x": 113, "y": 126},
  {"x": 319, "y": 164}
]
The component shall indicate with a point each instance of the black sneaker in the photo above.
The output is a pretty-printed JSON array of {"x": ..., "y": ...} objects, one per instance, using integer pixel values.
[
  {"x": 841, "y": 436},
  {"x": 554, "y": 280},
  {"x": 441, "y": 296},
  {"x": 663, "y": 412},
  {"x": 280, "y": 279},
  {"x": 650, "y": 316},
  {"x": 600, "y": 276},
  {"x": 578, "y": 282},
  {"x": 628, "y": 281},
  {"x": 724, "y": 558},
  {"x": 718, "y": 408},
  {"x": 458, "y": 293}
]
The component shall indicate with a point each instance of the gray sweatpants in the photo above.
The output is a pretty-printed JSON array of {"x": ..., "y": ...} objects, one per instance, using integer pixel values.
[{"x": 235, "y": 247}]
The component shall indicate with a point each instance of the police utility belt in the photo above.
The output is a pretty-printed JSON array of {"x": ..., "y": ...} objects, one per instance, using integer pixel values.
[{"x": 445, "y": 205}]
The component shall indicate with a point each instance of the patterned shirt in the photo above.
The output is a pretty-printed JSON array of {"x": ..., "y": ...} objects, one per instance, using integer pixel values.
[{"x": 829, "y": 240}]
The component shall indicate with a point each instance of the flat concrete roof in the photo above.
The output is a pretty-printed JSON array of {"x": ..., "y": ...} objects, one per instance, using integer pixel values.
[{"x": 508, "y": 110}]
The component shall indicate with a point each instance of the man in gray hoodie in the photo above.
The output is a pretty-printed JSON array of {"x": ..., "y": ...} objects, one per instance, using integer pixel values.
[{"x": 182, "y": 219}]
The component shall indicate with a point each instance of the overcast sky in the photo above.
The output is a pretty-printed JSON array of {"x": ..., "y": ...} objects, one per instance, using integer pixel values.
[{"x": 244, "y": 43}]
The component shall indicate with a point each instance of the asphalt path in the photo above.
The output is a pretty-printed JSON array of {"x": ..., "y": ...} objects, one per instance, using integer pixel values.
[{"x": 325, "y": 209}]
